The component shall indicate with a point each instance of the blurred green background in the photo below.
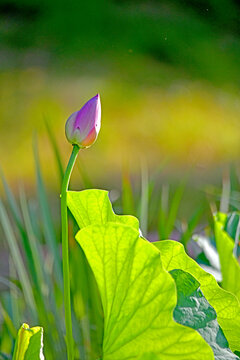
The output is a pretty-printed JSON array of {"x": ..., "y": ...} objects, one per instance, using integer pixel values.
[{"x": 168, "y": 74}]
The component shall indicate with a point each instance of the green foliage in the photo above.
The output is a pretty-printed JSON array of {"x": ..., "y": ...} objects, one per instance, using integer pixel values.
[
  {"x": 225, "y": 229},
  {"x": 224, "y": 303},
  {"x": 29, "y": 344},
  {"x": 123, "y": 303},
  {"x": 36, "y": 296},
  {"x": 138, "y": 296},
  {"x": 113, "y": 251},
  {"x": 49, "y": 231},
  {"x": 168, "y": 214},
  {"x": 19, "y": 263},
  {"x": 194, "y": 311},
  {"x": 191, "y": 225}
]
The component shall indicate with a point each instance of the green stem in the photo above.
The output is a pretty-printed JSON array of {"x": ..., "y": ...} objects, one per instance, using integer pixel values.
[{"x": 65, "y": 256}]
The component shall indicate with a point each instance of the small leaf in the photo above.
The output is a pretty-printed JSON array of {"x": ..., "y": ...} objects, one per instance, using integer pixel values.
[
  {"x": 29, "y": 344},
  {"x": 194, "y": 311}
]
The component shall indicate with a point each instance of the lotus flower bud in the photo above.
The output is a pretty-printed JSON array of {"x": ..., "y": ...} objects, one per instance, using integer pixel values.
[{"x": 83, "y": 126}]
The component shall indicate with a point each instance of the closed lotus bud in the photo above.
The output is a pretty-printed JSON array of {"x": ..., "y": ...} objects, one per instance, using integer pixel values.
[{"x": 83, "y": 126}]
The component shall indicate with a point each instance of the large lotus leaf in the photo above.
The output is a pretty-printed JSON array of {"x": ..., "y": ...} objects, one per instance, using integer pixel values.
[
  {"x": 29, "y": 343},
  {"x": 226, "y": 304},
  {"x": 149, "y": 356},
  {"x": 94, "y": 207},
  {"x": 138, "y": 298},
  {"x": 230, "y": 267},
  {"x": 193, "y": 310}
]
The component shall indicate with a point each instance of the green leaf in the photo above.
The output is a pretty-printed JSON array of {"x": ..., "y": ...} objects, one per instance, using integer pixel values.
[
  {"x": 225, "y": 304},
  {"x": 229, "y": 265},
  {"x": 29, "y": 344},
  {"x": 94, "y": 207},
  {"x": 138, "y": 297},
  {"x": 194, "y": 311},
  {"x": 149, "y": 356}
]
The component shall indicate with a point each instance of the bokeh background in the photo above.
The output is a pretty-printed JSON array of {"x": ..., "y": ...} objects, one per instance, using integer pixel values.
[{"x": 168, "y": 73}]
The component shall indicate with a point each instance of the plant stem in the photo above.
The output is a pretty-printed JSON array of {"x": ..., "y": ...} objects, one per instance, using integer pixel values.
[{"x": 65, "y": 256}]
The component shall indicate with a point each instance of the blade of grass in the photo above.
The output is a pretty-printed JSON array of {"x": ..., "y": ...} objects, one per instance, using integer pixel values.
[
  {"x": 8, "y": 283},
  {"x": 173, "y": 210},
  {"x": 144, "y": 199},
  {"x": 4, "y": 356},
  {"x": 35, "y": 249},
  {"x": 163, "y": 211},
  {"x": 14, "y": 295},
  {"x": 192, "y": 223},
  {"x": 18, "y": 261},
  {"x": 8, "y": 321},
  {"x": 15, "y": 212},
  {"x": 55, "y": 149},
  {"x": 33, "y": 206},
  {"x": 49, "y": 231},
  {"x": 152, "y": 202},
  {"x": 234, "y": 177},
  {"x": 11, "y": 201},
  {"x": 226, "y": 191},
  {"x": 236, "y": 240},
  {"x": 127, "y": 194}
]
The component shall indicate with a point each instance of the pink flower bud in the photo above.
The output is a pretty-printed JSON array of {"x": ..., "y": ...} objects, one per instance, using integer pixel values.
[{"x": 83, "y": 126}]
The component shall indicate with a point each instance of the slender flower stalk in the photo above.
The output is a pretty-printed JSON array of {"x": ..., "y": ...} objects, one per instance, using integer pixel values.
[
  {"x": 81, "y": 129},
  {"x": 65, "y": 256}
]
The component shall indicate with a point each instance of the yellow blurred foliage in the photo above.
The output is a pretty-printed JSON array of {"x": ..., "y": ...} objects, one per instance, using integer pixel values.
[{"x": 186, "y": 122}]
